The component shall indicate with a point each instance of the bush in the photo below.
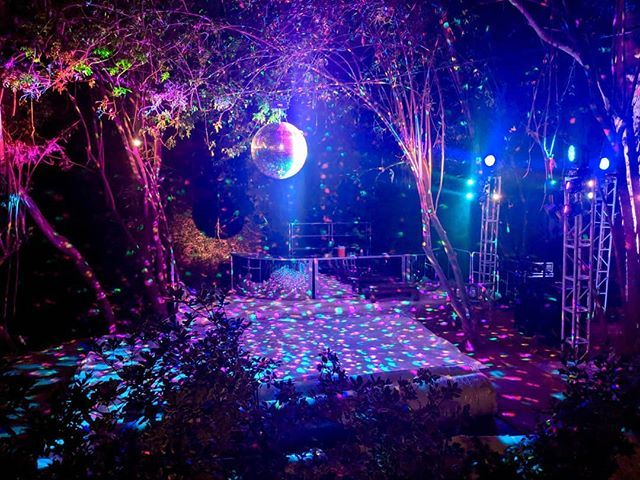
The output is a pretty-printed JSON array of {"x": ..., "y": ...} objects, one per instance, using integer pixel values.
[{"x": 180, "y": 399}]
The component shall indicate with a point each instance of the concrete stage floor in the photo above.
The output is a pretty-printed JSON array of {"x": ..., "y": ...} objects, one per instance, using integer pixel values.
[
  {"x": 382, "y": 338},
  {"x": 368, "y": 337}
]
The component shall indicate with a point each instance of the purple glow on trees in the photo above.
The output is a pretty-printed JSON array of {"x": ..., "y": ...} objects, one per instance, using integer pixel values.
[{"x": 395, "y": 61}]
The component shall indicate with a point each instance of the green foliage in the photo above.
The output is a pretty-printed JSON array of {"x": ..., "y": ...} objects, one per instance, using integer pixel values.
[
  {"x": 120, "y": 91},
  {"x": 266, "y": 114},
  {"x": 103, "y": 53},
  {"x": 83, "y": 68},
  {"x": 182, "y": 399}
]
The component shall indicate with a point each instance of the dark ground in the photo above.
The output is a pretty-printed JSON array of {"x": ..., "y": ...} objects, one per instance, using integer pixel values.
[{"x": 523, "y": 369}]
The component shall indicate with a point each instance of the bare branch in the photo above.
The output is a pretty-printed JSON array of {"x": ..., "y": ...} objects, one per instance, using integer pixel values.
[{"x": 545, "y": 35}]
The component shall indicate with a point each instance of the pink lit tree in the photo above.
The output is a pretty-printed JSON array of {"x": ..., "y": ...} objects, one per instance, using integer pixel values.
[{"x": 136, "y": 77}]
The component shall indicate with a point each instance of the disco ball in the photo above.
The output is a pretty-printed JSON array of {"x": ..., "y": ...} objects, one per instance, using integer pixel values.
[{"x": 279, "y": 150}]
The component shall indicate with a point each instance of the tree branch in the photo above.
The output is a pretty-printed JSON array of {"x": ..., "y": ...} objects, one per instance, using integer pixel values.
[
  {"x": 62, "y": 244},
  {"x": 546, "y": 36}
]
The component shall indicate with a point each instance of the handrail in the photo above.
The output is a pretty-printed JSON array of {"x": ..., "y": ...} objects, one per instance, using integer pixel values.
[{"x": 406, "y": 267}]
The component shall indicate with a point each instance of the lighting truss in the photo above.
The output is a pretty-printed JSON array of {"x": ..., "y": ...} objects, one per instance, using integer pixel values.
[
  {"x": 488, "y": 263},
  {"x": 605, "y": 211},
  {"x": 579, "y": 222}
]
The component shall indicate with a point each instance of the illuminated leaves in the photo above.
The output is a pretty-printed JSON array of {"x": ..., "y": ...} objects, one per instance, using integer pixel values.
[
  {"x": 83, "y": 69},
  {"x": 30, "y": 54},
  {"x": 120, "y": 91},
  {"x": 102, "y": 53},
  {"x": 268, "y": 114},
  {"x": 120, "y": 67}
]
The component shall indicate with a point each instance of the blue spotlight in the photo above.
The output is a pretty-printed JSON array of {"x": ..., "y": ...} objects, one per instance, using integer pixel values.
[
  {"x": 571, "y": 153},
  {"x": 471, "y": 182},
  {"x": 490, "y": 160},
  {"x": 468, "y": 196},
  {"x": 604, "y": 164}
]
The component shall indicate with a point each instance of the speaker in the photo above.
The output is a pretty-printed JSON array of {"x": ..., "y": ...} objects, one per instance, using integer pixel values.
[{"x": 537, "y": 309}]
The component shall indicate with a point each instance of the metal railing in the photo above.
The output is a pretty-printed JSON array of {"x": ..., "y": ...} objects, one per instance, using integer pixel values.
[
  {"x": 310, "y": 277},
  {"x": 319, "y": 238}
]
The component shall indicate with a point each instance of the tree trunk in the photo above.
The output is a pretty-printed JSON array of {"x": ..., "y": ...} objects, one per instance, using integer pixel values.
[
  {"x": 146, "y": 214},
  {"x": 628, "y": 193},
  {"x": 64, "y": 246},
  {"x": 459, "y": 304}
]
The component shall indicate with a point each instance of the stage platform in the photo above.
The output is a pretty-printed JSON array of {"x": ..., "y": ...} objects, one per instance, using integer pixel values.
[{"x": 381, "y": 339}]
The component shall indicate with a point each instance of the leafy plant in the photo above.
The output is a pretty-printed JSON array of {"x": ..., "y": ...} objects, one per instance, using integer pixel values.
[{"x": 182, "y": 398}]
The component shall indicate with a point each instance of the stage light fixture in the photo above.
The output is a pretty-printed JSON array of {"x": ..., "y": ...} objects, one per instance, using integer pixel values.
[
  {"x": 604, "y": 164},
  {"x": 591, "y": 183},
  {"x": 496, "y": 197},
  {"x": 590, "y": 195},
  {"x": 136, "y": 142},
  {"x": 468, "y": 196},
  {"x": 490, "y": 160},
  {"x": 571, "y": 153},
  {"x": 471, "y": 182}
]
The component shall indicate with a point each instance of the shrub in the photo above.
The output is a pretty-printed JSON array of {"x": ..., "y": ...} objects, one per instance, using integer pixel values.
[{"x": 179, "y": 398}]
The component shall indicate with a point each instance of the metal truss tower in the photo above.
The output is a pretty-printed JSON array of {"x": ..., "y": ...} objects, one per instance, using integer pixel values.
[
  {"x": 605, "y": 211},
  {"x": 488, "y": 267},
  {"x": 578, "y": 250}
]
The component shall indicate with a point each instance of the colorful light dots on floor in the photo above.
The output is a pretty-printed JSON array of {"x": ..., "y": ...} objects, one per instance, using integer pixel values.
[
  {"x": 515, "y": 398},
  {"x": 384, "y": 337},
  {"x": 359, "y": 343}
]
